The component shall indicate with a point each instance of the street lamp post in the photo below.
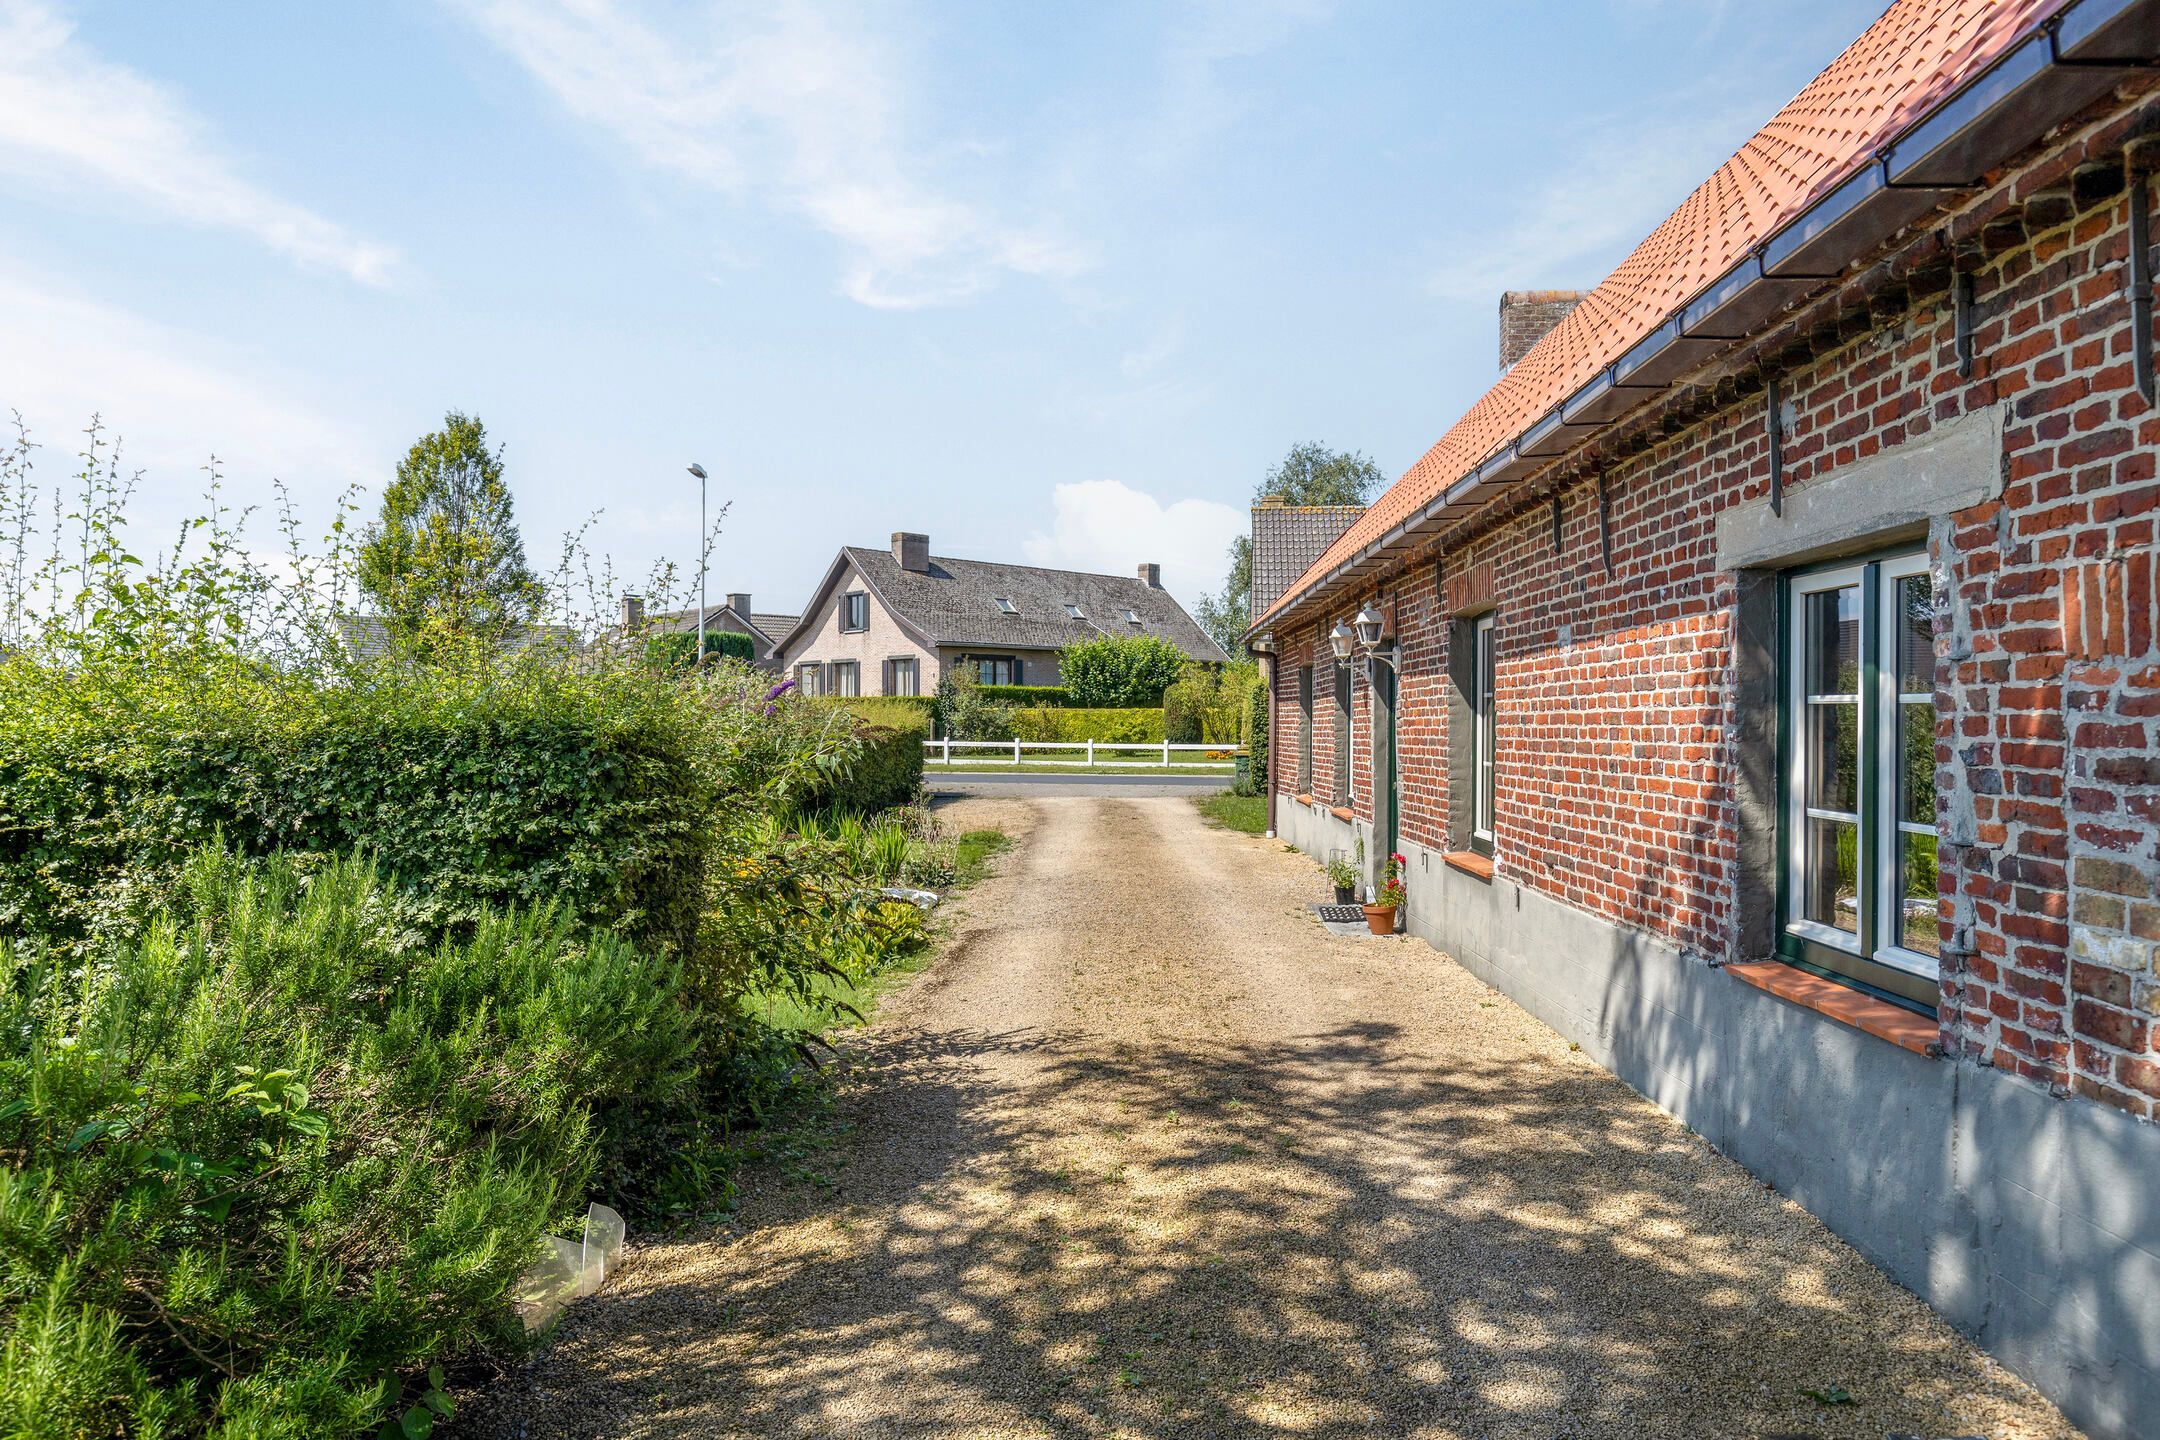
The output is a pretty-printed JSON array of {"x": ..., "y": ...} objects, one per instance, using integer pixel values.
[{"x": 699, "y": 471}]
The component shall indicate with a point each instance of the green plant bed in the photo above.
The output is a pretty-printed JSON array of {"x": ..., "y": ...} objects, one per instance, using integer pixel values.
[{"x": 284, "y": 1156}]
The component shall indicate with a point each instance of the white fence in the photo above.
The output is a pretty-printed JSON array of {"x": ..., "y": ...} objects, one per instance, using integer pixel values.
[{"x": 1094, "y": 752}]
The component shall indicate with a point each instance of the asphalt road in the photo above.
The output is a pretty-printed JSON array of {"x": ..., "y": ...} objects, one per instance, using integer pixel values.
[{"x": 1037, "y": 786}]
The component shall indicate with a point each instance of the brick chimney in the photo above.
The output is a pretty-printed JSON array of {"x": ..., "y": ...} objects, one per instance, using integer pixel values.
[
  {"x": 1151, "y": 576},
  {"x": 739, "y": 603},
  {"x": 911, "y": 550},
  {"x": 1525, "y": 316},
  {"x": 633, "y": 613}
]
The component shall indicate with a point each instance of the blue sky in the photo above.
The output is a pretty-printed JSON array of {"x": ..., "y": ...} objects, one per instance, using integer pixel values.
[{"x": 1052, "y": 283}]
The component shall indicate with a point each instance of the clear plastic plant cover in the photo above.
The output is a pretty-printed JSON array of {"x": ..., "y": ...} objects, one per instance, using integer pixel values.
[{"x": 568, "y": 1269}]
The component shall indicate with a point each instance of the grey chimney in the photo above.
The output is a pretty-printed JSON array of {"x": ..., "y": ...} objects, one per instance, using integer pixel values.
[
  {"x": 633, "y": 613},
  {"x": 911, "y": 550},
  {"x": 739, "y": 603},
  {"x": 1151, "y": 576},
  {"x": 1526, "y": 316}
]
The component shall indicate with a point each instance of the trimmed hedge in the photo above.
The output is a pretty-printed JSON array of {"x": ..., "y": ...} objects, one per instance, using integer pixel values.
[
  {"x": 589, "y": 790},
  {"x": 888, "y": 769},
  {"x": 1032, "y": 696},
  {"x": 1124, "y": 726}
]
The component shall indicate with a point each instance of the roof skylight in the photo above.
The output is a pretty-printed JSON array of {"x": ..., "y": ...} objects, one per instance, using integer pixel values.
[
  {"x": 1005, "y": 606},
  {"x": 1075, "y": 612}
]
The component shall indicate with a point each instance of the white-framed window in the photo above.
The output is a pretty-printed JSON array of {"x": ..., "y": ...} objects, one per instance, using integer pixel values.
[
  {"x": 1074, "y": 612},
  {"x": 843, "y": 677},
  {"x": 903, "y": 676},
  {"x": 810, "y": 678},
  {"x": 1481, "y": 719},
  {"x": 855, "y": 611},
  {"x": 1859, "y": 757},
  {"x": 1132, "y": 617},
  {"x": 1005, "y": 606}
]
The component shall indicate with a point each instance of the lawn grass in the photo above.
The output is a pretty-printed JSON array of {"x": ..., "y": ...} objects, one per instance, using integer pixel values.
[{"x": 1247, "y": 813}]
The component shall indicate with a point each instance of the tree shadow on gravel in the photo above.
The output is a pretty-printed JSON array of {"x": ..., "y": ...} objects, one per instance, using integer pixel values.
[{"x": 1330, "y": 1237}]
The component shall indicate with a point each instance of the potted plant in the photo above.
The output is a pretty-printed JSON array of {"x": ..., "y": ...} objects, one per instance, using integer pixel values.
[
  {"x": 1380, "y": 915},
  {"x": 1343, "y": 876}
]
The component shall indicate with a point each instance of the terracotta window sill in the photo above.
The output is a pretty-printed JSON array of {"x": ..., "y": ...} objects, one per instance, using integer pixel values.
[
  {"x": 1343, "y": 812},
  {"x": 1303, "y": 799},
  {"x": 1470, "y": 863},
  {"x": 1843, "y": 1004}
]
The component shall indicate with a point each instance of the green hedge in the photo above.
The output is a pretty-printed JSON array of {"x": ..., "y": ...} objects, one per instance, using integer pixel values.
[
  {"x": 1028, "y": 695},
  {"x": 888, "y": 769},
  {"x": 591, "y": 790},
  {"x": 1127, "y": 726},
  {"x": 280, "y": 1159}
]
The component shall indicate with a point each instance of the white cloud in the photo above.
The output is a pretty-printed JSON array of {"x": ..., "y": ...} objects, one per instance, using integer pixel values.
[
  {"x": 171, "y": 398},
  {"x": 72, "y": 121},
  {"x": 1108, "y": 527},
  {"x": 799, "y": 106}
]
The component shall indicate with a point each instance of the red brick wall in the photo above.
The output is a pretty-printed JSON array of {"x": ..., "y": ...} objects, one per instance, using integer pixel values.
[{"x": 1617, "y": 701}]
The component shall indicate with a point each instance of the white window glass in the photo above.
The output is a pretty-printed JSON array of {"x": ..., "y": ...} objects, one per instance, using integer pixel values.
[
  {"x": 1481, "y": 700},
  {"x": 1860, "y": 878}
]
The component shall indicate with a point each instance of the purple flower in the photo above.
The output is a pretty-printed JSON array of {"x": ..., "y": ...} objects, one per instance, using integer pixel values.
[{"x": 773, "y": 695}]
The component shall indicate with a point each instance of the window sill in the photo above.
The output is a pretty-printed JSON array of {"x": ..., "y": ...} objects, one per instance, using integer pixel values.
[
  {"x": 1470, "y": 863},
  {"x": 1302, "y": 799},
  {"x": 1843, "y": 1004},
  {"x": 1343, "y": 813}
]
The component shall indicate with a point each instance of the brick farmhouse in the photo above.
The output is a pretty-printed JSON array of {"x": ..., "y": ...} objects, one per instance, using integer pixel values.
[{"x": 1762, "y": 679}]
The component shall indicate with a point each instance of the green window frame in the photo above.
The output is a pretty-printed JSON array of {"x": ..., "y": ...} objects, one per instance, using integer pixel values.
[
  {"x": 1858, "y": 881},
  {"x": 1304, "y": 701},
  {"x": 1342, "y": 732}
]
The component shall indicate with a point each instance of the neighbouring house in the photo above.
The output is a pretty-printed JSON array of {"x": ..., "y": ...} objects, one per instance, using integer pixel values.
[
  {"x": 1286, "y": 539},
  {"x": 1765, "y": 677},
  {"x": 890, "y": 622},
  {"x": 734, "y": 613}
]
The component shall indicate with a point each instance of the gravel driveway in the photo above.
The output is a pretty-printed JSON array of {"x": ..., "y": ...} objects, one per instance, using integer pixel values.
[{"x": 1148, "y": 1153}]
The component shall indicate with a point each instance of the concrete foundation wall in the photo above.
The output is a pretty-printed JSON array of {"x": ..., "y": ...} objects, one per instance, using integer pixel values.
[{"x": 2030, "y": 1222}]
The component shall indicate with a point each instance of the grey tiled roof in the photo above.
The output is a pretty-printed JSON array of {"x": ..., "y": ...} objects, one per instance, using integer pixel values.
[
  {"x": 955, "y": 603},
  {"x": 772, "y": 627},
  {"x": 1286, "y": 539}
]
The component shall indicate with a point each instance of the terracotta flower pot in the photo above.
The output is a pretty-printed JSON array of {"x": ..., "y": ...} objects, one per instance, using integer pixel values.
[{"x": 1380, "y": 919}]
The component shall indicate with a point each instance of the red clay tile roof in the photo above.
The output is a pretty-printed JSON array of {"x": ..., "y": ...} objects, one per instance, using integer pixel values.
[{"x": 1914, "y": 56}]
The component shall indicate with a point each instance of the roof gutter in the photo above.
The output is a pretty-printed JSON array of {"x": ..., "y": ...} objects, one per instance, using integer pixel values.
[{"x": 2070, "y": 60}]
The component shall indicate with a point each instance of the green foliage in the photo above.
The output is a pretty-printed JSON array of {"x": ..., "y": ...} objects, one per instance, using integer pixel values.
[
  {"x": 276, "y": 1153},
  {"x": 596, "y": 788},
  {"x": 674, "y": 651},
  {"x": 898, "y": 711},
  {"x": 886, "y": 769},
  {"x": 1312, "y": 474},
  {"x": 443, "y": 562},
  {"x": 1258, "y": 709},
  {"x": 1130, "y": 727},
  {"x": 1209, "y": 705},
  {"x": 964, "y": 712},
  {"x": 1032, "y": 696},
  {"x": 1120, "y": 671}
]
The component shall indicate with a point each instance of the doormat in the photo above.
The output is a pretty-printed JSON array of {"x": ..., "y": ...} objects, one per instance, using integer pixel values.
[{"x": 1342, "y": 919}]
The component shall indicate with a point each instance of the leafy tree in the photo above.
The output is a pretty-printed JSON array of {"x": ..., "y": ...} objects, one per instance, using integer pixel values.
[
  {"x": 444, "y": 562},
  {"x": 1311, "y": 474},
  {"x": 1119, "y": 671}
]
